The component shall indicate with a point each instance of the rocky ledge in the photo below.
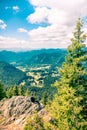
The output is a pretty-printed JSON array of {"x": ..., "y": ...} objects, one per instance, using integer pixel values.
[{"x": 15, "y": 111}]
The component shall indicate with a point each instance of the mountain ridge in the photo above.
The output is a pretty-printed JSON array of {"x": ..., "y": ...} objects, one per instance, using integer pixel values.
[{"x": 24, "y": 58}]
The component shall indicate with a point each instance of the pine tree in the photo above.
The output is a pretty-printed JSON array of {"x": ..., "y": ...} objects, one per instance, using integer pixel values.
[
  {"x": 2, "y": 92},
  {"x": 9, "y": 92},
  {"x": 15, "y": 90},
  {"x": 70, "y": 103},
  {"x": 44, "y": 98},
  {"x": 27, "y": 93},
  {"x": 75, "y": 66},
  {"x": 20, "y": 90}
]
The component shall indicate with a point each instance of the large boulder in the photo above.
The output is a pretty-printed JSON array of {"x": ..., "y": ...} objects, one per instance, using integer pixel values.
[{"x": 19, "y": 105}]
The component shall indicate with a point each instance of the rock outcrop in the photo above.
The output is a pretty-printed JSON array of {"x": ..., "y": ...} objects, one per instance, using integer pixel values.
[{"x": 15, "y": 111}]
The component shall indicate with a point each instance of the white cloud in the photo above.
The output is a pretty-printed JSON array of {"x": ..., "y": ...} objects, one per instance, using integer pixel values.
[
  {"x": 59, "y": 11},
  {"x": 39, "y": 16},
  {"x": 56, "y": 3},
  {"x": 60, "y": 16},
  {"x": 10, "y": 43},
  {"x": 49, "y": 37},
  {"x": 2, "y": 24},
  {"x": 22, "y": 30},
  {"x": 44, "y": 14},
  {"x": 15, "y": 8}
]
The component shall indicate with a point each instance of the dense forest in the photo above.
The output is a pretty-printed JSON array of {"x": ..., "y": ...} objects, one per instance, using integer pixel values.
[{"x": 65, "y": 97}]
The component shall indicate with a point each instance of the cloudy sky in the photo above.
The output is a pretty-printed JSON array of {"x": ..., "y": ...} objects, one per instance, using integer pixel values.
[{"x": 35, "y": 24}]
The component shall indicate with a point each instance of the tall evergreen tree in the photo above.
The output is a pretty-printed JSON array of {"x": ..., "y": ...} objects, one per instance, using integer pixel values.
[{"x": 70, "y": 103}]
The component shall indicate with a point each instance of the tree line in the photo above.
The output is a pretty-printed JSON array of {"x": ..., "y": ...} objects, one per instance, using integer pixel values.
[{"x": 13, "y": 91}]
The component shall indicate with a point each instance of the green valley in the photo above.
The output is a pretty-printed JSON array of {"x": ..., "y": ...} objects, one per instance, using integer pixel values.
[{"x": 33, "y": 68}]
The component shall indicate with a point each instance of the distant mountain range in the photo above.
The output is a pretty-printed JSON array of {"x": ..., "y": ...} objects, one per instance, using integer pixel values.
[{"x": 34, "y": 57}]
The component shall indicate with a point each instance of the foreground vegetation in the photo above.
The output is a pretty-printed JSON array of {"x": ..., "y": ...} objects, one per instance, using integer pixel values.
[{"x": 68, "y": 106}]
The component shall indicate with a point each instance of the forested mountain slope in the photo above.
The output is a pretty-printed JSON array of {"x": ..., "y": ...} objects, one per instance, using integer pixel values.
[
  {"x": 43, "y": 56},
  {"x": 10, "y": 75}
]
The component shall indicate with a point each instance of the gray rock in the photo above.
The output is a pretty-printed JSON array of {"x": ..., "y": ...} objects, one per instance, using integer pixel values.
[{"x": 19, "y": 105}]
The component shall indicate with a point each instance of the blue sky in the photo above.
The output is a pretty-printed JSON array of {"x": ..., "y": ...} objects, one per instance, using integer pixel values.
[
  {"x": 35, "y": 24},
  {"x": 14, "y": 14}
]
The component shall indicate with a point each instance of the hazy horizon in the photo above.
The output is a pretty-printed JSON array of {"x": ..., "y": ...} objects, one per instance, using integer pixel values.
[{"x": 27, "y": 50}]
